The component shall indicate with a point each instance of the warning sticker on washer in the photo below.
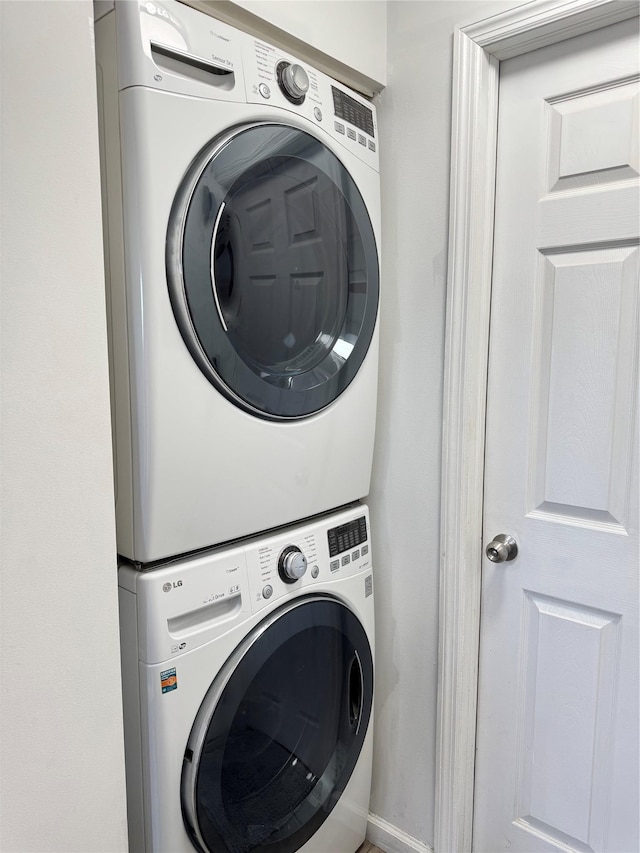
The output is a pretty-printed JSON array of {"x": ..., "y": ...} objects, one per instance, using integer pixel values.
[{"x": 168, "y": 680}]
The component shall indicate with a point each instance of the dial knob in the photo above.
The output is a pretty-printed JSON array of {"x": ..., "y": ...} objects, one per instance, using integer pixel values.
[
  {"x": 293, "y": 80},
  {"x": 292, "y": 564}
]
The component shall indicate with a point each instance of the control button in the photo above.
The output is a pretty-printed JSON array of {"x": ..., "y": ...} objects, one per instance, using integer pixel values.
[
  {"x": 334, "y": 565},
  {"x": 267, "y": 591},
  {"x": 355, "y": 555},
  {"x": 351, "y": 133},
  {"x": 315, "y": 571},
  {"x": 317, "y": 113},
  {"x": 339, "y": 127},
  {"x": 362, "y": 139},
  {"x": 364, "y": 550},
  {"x": 372, "y": 145},
  {"x": 346, "y": 560},
  {"x": 264, "y": 90}
]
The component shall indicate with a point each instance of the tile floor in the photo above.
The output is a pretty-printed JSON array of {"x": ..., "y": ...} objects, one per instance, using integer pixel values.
[{"x": 368, "y": 847}]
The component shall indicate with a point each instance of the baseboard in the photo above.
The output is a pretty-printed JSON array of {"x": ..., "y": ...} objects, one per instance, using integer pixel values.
[{"x": 391, "y": 839}]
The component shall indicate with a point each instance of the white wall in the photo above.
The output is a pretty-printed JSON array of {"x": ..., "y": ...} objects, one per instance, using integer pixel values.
[
  {"x": 62, "y": 781},
  {"x": 351, "y": 31},
  {"x": 414, "y": 114}
]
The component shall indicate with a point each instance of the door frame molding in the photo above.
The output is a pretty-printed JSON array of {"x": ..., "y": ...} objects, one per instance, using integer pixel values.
[{"x": 478, "y": 51}]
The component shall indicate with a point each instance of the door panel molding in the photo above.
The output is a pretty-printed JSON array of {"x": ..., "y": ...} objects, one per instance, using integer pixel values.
[{"x": 478, "y": 50}]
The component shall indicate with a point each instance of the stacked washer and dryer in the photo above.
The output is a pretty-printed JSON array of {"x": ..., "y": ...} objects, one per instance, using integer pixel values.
[{"x": 242, "y": 218}]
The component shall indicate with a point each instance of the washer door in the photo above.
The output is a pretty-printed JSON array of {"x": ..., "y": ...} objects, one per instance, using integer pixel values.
[
  {"x": 273, "y": 270},
  {"x": 279, "y": 732}
]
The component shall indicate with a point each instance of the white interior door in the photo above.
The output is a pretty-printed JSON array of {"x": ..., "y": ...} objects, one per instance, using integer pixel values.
[{"x": 557, "y": 740}]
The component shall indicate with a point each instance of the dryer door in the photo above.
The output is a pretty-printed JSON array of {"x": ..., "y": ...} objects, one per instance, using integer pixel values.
[
  {"x": 279, "y": 732},
  {"x": 273, "y": 270}
]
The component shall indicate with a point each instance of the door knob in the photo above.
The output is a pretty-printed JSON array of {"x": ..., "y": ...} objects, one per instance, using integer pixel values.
[{"x": 502, "y": 549}]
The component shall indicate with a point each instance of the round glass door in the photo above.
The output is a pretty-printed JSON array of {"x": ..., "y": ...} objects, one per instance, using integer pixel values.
[
  {"x": 273, "y": 270},
  {"x": 279, "y": 732}
]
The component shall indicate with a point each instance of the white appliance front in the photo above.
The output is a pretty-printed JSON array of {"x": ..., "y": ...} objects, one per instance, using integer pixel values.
[
  {"x": 248, "y": 691},
  {"x": 242, "y": 226}
]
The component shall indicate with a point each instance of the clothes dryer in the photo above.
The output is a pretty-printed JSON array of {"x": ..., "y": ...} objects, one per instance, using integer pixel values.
[
  {"x": 248, "y": 691},
  {"x": 242, "y": 224}
]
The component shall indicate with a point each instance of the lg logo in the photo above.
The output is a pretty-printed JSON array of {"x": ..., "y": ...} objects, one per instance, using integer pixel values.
[{"x": 167, "y": 587}]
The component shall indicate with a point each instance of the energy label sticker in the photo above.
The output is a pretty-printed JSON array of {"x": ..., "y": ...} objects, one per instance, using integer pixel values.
[{"x": 168, "y": 680}]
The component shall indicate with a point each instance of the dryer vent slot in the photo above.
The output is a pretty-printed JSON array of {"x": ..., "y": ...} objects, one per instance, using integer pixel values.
[
  {"x": 193, "y": 67},
  {"x": 205, "y": 617}
]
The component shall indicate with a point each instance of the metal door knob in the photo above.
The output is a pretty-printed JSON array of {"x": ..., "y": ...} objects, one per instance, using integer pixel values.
[{"x": 502, "y": 549}]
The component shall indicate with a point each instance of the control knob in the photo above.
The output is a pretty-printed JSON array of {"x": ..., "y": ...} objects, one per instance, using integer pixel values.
[
  {"x": 292, "y": 564},
  {"x": 293, "y": 80}
]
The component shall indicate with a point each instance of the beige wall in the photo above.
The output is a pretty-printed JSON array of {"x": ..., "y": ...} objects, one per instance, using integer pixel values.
[{"x": 62, "y": 772}]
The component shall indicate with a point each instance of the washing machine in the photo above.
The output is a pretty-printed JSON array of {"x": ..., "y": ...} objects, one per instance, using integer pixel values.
[
  {"x": 248, "y": 691},
  {"x": 242, "y": 224}
]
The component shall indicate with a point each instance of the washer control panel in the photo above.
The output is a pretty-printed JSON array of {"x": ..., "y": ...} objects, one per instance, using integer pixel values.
[
  {"x": 192, "y": 600},
  {"x": 172, "y": 47},
  {"x": 307, "y": 555}
]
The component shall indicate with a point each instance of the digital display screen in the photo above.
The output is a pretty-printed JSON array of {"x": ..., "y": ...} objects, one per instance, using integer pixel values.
[
  {"x": 347, "y": 536},
  {"x": 352, "y": 111}
]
